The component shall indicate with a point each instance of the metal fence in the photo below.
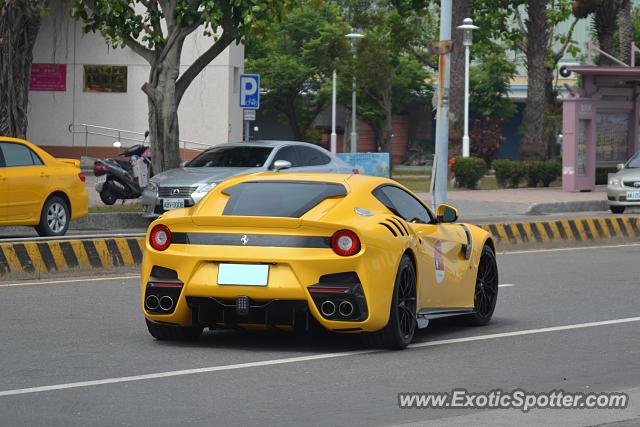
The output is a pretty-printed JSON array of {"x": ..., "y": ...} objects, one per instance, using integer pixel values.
[{"x": 112, "y": 135}]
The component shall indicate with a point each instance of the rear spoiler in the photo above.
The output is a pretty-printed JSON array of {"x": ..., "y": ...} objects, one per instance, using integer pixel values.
[{"x": 74, "y": 162}]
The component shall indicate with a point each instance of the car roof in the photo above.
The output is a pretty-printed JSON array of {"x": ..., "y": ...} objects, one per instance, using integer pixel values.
[{"x": 264, "y": 143}]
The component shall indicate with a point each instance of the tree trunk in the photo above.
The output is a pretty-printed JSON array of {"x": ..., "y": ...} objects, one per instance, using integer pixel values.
[
  {"x": 456, "y": 91},
  {"x": 625, "y": 30},
  {"x": 19, "y": 26},
  {"x": 533, "y": 141},
  {"x": 605, "y": 28},
  {"x": 387, "y": 133},
  {"x": 164, "y": 132}
]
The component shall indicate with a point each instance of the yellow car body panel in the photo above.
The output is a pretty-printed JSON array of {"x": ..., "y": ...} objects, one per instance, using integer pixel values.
[
  {"x": 293, "y": 269},
  {"x": 25, "y": 189}
]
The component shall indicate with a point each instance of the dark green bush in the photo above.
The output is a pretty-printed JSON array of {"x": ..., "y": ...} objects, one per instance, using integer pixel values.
[
  {"x": 550, "y": 172},
  {"x": 535, "y": 171},
  {"x": 468, "y": 171},
  {"x": 509, "y": 173}
]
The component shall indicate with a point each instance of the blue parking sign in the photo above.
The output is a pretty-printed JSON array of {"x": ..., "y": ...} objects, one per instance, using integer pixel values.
[{"x": 250, "y": 91}]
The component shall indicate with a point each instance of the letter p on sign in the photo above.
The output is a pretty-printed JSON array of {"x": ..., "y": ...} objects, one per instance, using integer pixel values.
[{"x": 250, "y": 91}]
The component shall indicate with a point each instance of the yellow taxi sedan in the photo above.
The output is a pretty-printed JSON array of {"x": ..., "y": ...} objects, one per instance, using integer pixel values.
[{"x": 37, "y": 189}]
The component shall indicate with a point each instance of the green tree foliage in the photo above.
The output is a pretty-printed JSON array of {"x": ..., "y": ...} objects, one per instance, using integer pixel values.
[
  {"x": 295, "y": 57},
  {"x": 388, "y": 72},
  {"x": 156, "y": 30}
]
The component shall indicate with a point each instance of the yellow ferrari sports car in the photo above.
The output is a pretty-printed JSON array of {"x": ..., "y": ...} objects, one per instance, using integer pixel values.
[{"x": 353, "y": 253}]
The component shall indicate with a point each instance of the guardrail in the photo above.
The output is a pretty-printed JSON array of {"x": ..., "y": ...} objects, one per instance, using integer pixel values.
[{"x": 123, "y": 135}]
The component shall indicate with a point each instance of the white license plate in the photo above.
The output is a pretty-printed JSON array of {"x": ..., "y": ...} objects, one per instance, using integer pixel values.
[
  {"x": 243, "y": 274},
  {"x": 633, "y": 195},
  {"x": 101, "y": 179},
  {"x": 168, "y": 204}
]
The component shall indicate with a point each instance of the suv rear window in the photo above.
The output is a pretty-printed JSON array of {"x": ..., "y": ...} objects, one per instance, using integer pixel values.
[{"x": 290, "y": 199}]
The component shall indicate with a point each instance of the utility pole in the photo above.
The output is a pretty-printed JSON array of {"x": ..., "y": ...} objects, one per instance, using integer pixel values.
[
  {"x": 334, "y": 136},
  {"x": 439, "y": 174}
]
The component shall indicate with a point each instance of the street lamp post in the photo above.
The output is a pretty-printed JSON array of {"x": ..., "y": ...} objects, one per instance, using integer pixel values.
[
  {"x": 467, "y": 28},
  {"x": 354, "y": 127},
  {"x": 334, "y": 136}
]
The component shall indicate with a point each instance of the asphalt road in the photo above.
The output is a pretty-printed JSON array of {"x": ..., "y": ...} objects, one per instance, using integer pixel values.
[{"x": 86, "y": 338}]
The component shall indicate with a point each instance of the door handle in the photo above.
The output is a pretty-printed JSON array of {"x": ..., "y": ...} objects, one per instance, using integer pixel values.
[
  {"x": 2, "y": 178},
  {"x": 43, "y": 175}
]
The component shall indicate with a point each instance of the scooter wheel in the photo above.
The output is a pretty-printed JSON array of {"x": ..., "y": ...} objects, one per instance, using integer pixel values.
[{"x": 107, "y": 197}]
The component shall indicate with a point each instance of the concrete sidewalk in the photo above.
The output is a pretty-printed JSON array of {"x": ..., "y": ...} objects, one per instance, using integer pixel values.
[{"x": 513, "y": 204}]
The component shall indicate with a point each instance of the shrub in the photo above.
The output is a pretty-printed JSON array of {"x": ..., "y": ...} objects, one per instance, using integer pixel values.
[
  {"x": 509, "y": 173},
  {"x": 468, "y": 171},
  {"x": 486, "y": 139},
  {"x": 550, "y": 172},
  {"x": 534, "y": 170}
]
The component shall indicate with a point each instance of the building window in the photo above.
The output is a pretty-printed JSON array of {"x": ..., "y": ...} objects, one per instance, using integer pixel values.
[{"x": 105, "y": 78}]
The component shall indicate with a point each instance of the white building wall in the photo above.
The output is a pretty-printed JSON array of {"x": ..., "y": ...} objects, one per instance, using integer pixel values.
[{"x": 206, "y": 113}]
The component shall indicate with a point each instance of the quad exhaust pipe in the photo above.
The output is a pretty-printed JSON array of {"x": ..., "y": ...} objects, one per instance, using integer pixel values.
[
  {"x": 345, "y": 309},
  {"x": 328, "y": 308},
  {"x": 166, "y": 303},
  {"x": 152, "y": 302}
]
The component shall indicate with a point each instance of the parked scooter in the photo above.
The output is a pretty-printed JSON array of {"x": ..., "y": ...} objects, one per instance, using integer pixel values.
[{"x": 123, "y": 179}]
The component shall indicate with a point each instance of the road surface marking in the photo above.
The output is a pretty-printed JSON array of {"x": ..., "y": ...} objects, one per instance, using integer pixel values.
[
  {"x": 63, "y": 281},
  {"x": 168, "y": 374}
]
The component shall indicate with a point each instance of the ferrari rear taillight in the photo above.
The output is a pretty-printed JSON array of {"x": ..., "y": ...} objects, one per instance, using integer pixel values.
[
  {"x": 345, "y": 243},
  {"x": 99, "y": 169},
  {"x": 82, "y": 176},
  {"x": 160, "y": 237}
]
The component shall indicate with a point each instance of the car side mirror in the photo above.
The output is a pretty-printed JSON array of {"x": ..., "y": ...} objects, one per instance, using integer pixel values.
[
  {"x": 279, "y": 165},
  {"x": 620, "y": 166},
  {"x": 446, "y": 213}
]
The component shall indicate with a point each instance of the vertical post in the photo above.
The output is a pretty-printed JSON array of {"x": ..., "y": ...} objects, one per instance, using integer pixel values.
[
  {"x": 465, "y": 138},
  {"x": 439, "y": 174},
  {"x": 354, "y": 122},
  {"x": 334, "y": 136},
  {"x": 247, "y": 125}
]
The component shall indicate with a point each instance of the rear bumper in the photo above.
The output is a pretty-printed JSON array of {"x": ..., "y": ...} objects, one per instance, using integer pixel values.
[{"x": 287, "y": 299}]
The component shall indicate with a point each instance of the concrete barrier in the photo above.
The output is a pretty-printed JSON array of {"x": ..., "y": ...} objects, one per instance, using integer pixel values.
[{"x": 36, "y": 257}]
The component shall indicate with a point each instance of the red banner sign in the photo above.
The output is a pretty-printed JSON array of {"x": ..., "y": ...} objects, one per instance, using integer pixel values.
[{"x": 48, "y": 77}]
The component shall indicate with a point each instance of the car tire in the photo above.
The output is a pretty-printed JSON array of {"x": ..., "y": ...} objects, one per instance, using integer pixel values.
[
  {"x": 107, "y": 197},
  {"x": 486, "y": 291},
  {"x": 173, "y": 333},
  {"x": 54, "y": 218},
  {"x": 617, "y": 209},
  {"x": 402, "y": 324}
]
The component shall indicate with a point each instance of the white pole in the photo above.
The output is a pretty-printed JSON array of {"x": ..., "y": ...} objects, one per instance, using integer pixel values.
[
  {"x": 465, "y": 138},
  {"x": 354, "y": 125},
  {"x": 334, "y": 136},
  {"x": 439, "y": 174}
]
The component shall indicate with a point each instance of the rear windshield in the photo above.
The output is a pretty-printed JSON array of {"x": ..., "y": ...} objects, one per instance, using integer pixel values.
[
  {"x": 232, "y": 157},
  {"x": 290, "y": 199}
]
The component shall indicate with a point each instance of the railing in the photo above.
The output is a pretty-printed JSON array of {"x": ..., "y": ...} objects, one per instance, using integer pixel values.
[
  {"x": 123, "y": 135},
  {"x": 592, "y": 47}
]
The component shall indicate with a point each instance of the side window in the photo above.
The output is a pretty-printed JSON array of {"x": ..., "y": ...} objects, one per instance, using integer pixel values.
[
  {"x": 403, "y": 204},
  {"x": 288, "y": 154},
  {"x": 312, "y": 157},
  {"x": 18, "y": 155}
]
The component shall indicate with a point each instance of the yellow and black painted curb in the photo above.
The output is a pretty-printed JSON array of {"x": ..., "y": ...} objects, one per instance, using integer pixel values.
[
  {"x": 575, "y": 229},
  {"x": 33, "y": 257},
  {"x": 60, "y": 255}
]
